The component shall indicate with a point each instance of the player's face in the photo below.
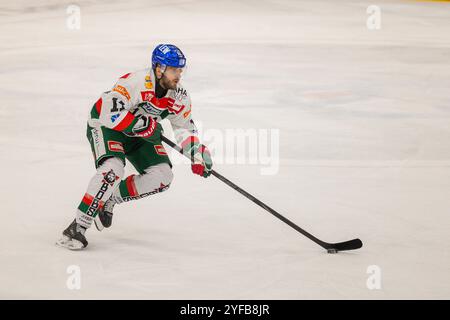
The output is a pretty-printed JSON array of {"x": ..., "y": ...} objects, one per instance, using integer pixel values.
[{"x": 171, "y": 77}]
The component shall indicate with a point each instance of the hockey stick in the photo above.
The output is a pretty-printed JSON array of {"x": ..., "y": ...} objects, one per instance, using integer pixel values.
[{"x": 330, "y": 247}]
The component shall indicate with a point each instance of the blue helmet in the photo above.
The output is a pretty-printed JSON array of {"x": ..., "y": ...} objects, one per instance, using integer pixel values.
[{"x": 168, "y": 55}]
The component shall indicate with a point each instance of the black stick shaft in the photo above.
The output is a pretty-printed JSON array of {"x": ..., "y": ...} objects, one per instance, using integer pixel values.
[{"x": 254, "y": 199}]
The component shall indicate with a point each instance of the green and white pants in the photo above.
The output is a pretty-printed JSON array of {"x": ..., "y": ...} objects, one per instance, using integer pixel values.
[{"x": 111, "y": 149}]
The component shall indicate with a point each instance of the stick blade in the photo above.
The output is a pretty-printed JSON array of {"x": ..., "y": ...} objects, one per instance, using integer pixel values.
[{"x": 346, "y": 245}]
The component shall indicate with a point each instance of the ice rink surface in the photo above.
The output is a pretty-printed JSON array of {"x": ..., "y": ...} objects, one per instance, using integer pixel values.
[{"x": 364, "y": 150}]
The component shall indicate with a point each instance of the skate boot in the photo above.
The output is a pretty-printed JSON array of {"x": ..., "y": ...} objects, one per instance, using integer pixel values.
[
  {"x": 73, "y": 237},
  {"x": 105, "y": 215}
]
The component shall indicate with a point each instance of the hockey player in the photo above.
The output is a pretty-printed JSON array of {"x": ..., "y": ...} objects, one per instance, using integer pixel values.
[{"x": 124, "y": 125}]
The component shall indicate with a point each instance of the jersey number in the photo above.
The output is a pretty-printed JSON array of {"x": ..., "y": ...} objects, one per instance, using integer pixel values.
[{"x": 114, "y": 108}]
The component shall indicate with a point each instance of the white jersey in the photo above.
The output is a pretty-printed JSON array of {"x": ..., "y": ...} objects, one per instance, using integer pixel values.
[{"x": 134, "y": 93}]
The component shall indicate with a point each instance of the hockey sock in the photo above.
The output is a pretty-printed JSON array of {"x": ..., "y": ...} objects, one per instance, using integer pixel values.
[
  {"x": 100, "y": 188},
  {"x": 155, "y": 179}
]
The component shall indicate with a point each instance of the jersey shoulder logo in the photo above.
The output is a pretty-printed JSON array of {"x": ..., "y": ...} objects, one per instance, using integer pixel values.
[
  {"x": 123, "y": 91},
  {"x": 148, "y": 82}
]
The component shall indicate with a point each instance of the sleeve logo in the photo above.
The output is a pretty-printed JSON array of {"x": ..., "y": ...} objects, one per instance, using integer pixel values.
[{"x": 186, "y": 114}]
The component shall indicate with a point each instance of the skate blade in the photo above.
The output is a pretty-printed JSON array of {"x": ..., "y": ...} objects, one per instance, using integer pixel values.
[
  {"x": 98, "y": 224},
  {"x": 71, "y": 244}
]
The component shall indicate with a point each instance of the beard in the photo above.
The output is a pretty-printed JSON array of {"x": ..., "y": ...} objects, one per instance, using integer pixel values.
[{"x": 167, "y": 84}]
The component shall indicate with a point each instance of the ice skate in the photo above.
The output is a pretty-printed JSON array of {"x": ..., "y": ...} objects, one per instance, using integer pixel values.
[
  {"x": 73, "y": 237},
  {"x": 104, "y": 216}
]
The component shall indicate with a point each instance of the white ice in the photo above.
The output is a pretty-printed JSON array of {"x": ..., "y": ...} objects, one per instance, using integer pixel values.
[{"x": 364, "y": 145}]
